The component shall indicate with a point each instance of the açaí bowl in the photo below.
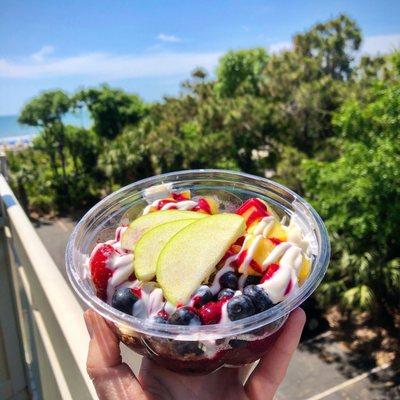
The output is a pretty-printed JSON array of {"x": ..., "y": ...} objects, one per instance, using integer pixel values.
[{"x": 196, "y": 349}]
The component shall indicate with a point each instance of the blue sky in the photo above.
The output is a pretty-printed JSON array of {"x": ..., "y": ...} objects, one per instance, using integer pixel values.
[{"x": 150, "y": 46}]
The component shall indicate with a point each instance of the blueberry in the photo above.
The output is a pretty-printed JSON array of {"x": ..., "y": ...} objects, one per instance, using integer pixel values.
[
  {"x": 240, "y": 307},
  {"x": 227, "y": 293},
  {"x": 184, "y": 316},
  {"x": 202, "y": 296},
  {"x": 184, "y": 348},
  {"x": 259, "y": 297},
  {"x": 124, "y": 300},
  {"x": 229, "y": 280},
  {"x": 252, "y": 280},
  {"x": 160, "y": 320}
]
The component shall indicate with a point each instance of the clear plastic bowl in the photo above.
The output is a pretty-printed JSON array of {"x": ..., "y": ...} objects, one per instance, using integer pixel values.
[{"x": 196, "y": 349}]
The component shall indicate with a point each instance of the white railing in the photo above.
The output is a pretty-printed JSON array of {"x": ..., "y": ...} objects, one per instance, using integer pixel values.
[{"x": 41, "y": 325}]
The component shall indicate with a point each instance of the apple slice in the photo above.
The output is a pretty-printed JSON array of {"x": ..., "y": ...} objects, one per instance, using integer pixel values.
[
  {"x": 149, "y": 246},
  {"x": 142, "y": 224},
  {"x": 192, "y": 254}
]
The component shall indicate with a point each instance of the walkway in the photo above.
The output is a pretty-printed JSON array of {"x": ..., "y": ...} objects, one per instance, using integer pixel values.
[{"x": 320, "y": 369}]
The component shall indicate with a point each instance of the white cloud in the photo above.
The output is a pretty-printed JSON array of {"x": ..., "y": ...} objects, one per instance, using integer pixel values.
[
  {"x": 380, "y": 44},
  {"x": 372, "y": 45},
  {"x": 279, "y": 46},
  {"x": 42, "y": 53},
  {"x": 168, "y": 38},
  {"x": 106, "y": 66}
]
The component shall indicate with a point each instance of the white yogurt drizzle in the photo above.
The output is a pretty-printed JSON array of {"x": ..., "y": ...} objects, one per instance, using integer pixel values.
[
  {"x": 264, "y": 226},
  {"x": 250, "y": 254},
  {"x": 289, "y": 265},
  {"x": 215, "y": 286},
  {"x": 276, "y": 254},
  {"x": 122, "y": 267},
  {"x": 184, "y": 205}
]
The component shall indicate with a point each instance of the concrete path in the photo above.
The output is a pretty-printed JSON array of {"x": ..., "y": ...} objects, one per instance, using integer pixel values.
[{"x": 320, "y": 369}]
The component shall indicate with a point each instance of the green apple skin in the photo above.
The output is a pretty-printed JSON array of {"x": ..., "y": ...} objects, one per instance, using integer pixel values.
[
  {"x": 149, "y": 246},
  {"x": 192, "y": 254},
  {"x": 142, "y": 224}
]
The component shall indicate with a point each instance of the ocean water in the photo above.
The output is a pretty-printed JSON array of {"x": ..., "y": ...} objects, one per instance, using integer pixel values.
[{"x": 11, "y": 130}]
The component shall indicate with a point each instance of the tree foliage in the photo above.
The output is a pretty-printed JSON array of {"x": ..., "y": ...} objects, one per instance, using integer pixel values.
[
  {"x": 111, "y": 109},
  {"x": 312, "y": 117},
  {"x": 241, "y": 70}
]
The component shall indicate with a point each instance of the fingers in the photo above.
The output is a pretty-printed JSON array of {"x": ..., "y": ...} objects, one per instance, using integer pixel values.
[
  {"x": 266, "y": 378},
  {"x": 103, "y": 346},
  {"x": 113, "y": 380}
]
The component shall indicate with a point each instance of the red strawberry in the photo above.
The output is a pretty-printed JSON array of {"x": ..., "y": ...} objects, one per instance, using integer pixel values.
[{"x": 98, "y": 268}]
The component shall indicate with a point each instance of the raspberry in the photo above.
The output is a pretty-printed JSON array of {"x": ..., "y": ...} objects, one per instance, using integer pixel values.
[{"x": 210, "y": 313}]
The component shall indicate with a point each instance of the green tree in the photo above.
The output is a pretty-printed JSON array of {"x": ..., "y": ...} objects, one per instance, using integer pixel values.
[
  {"x": 46, "y": 111},
  {"x": 111, "y": 109},
  {"x": 358, "y": 195},
  {"x": 333, "y": 43},
  {"x": 240, "y": 70}
]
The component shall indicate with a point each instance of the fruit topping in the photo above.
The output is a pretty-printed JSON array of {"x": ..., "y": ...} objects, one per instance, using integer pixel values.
[
  {"x": 259, "y": 298},
  {"x": 252, "y": 280},
  {"x": 185, "y": 316},
  {"x": 304, "y": 270},
  {"x": 240, "y": 307},
  {"x": 149, "y": 247},
  {"x": 255, "y": 251},
  {"x": 253, "y": 210},
  {"x": 160, "y": 319},
  {"x": 225, "y": 294},
  {"x": 203, "y": 206},
  {"x": 191, "y": 256},
  {"x": 229, "y": 280},
  {"x": 124, "y": 300},
  {"x": 142, "y": 224},
  {"x": 181, "y": 196},
  {"x": 202, "y": 296},
  {"x": 99, "y": 270},
  {"x": 210, "y": 313}
]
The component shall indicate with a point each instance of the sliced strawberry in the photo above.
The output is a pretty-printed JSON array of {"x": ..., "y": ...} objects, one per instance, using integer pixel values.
[{"x": 98, "y": 268}]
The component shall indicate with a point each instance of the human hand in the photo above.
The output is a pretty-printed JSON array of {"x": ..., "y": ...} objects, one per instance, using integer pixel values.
[{"x": 114, "y": 380}]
